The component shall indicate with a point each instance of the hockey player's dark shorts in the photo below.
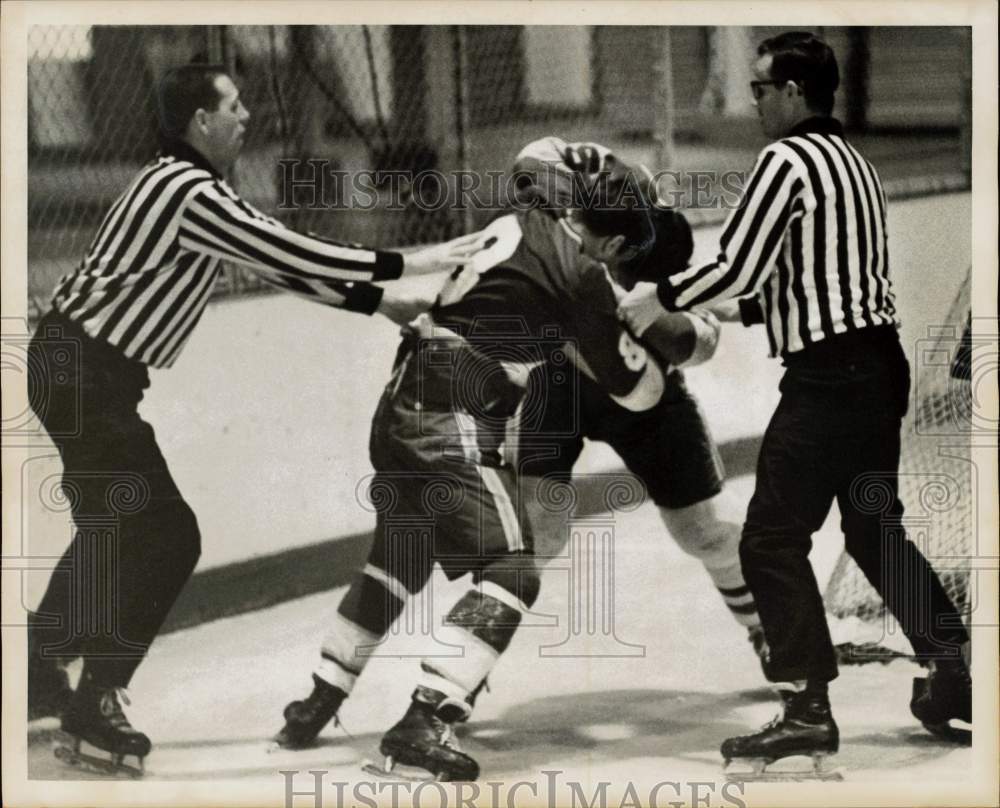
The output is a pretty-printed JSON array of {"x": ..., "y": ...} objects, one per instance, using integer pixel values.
[
  {"x": 439, "y": 477},
  {"x": 668, "y": 447}
]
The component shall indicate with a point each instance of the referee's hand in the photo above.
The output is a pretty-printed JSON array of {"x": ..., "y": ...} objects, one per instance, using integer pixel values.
[
  {"x": 640, "y": 308},
  {"x": 446, "y": 256}
]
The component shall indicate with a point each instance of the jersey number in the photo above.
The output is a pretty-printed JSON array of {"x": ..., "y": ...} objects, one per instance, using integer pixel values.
[
  {"x": 501, "y": 239},
  {"x": 635, "y": 355}
]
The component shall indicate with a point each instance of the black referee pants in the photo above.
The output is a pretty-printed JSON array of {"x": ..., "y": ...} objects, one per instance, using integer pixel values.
[
  {"x": 136, "y": 541},
  {"x": 836, "y": 436}
]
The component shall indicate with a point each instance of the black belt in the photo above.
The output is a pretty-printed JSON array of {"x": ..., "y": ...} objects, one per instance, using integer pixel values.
[{"x": 844, "y": 347}]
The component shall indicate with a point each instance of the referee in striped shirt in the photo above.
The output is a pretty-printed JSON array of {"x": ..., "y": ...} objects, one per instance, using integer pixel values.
[
  {"x": 131, "y": 304},
  {"x": 807, "y": 253}
]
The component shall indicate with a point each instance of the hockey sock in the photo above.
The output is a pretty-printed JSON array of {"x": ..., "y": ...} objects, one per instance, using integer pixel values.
[
  {"x": 735, "y": 593},
  {"x": 483, "y": 624},
  {"x": 372, "y": 603}
]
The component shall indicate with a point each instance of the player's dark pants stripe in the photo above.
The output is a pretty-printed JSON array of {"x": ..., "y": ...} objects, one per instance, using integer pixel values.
[
  {"x": 734, "y": 592},
  {"x": 340, "y": 664}
]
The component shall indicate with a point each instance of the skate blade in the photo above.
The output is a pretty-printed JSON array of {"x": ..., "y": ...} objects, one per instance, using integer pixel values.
[
  {"x": 756, "y": 770},
  {"x": 82, "y": 755},
  {"x": 399, "y": 772},
  {"x": 275, "y": 746}
]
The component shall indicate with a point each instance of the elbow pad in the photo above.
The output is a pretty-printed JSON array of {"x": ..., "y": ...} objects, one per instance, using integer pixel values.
[
  {"x": 647, "y": 391},
  {"x": 706, "y": 336}
]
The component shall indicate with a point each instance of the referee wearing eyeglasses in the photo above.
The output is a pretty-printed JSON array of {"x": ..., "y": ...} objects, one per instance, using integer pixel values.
[
  {"x": 132, "y": 304},
  {"x": 810, "y": 245}
]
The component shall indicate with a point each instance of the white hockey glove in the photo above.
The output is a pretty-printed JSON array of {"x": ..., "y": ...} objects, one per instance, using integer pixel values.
[{"x": 706, "y": 340}]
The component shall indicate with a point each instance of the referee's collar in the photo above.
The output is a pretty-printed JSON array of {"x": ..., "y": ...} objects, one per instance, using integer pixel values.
[
  {"x": 820, "y": 125},
  {"x": 183, "y": 150}
]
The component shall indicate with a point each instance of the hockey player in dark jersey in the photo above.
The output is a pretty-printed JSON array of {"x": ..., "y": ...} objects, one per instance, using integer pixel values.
[
  {"x": 442, "y": 491},
  {"x": 668, "y": 447}
]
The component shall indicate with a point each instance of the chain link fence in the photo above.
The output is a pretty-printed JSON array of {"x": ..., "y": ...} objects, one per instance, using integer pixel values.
[{"x": 362, "y": 102}]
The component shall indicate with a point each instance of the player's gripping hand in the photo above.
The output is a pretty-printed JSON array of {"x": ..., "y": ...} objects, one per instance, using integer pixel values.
[
  {"x": 706, "y": 336},
  {"x": 640, "y": 308},
  {"x": 446, "y": 256}
]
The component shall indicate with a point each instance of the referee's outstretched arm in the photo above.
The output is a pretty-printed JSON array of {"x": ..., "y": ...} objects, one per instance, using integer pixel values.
[
  {"x": 217, "y": 222},
  {"x": 750, "y": 240}
]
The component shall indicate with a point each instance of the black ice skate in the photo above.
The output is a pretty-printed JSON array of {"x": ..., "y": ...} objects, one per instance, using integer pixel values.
[
  {"x": 805, "y": 728},
  {"x": 49, "y": 692},
  {"x": 421, "y": 747},
  {"x": 94, "y": 717},
  {"x": 304, "y": 720},
  {"x": 944, "y": 695}
]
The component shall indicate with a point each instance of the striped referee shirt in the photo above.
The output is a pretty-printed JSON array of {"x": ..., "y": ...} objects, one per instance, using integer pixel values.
[
  {"x": 809, "y": 240},
  {"x": 150, "y": 269}
]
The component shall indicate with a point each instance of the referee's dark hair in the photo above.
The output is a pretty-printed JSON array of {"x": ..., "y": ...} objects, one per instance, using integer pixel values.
[
  {"x": 808, "y": 61},
  {"x": 183, "y": 91}
]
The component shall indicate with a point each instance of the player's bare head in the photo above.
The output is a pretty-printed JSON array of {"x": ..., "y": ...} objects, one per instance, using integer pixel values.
[
  {"x": 613, "y": 219},
  {"x": 796, "y": 76},
  {"x": 200, "y": 104},
  {"x": 671, "y": 252}
]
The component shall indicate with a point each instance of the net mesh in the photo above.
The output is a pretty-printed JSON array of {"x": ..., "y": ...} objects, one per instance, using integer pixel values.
[
  {"x": 936, "y": 487},
  {"x": 430, "y": 101},
  {"x": 362, "y": 100}
]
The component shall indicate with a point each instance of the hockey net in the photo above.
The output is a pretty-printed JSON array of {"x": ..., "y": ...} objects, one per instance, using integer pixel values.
[{"x": 936, "y": 488}]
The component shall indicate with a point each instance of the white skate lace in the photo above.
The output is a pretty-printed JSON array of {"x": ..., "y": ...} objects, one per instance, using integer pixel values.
[
  {"x": 112, "y": 709},
  {"x": 338, "y": 723},
  {"x": 448, "y": 738}
]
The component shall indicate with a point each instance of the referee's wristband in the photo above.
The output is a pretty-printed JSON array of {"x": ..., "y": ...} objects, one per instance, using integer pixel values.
[
  {"x": 388, "y": 266},
  {"x": 361, "y": 297},
  {"x": 667, "y": 295},
  {"x": 751, "y": 312}
]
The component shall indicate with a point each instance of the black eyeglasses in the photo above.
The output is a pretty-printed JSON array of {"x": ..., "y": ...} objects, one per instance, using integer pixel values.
[{"x": 757, "y": 87}]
